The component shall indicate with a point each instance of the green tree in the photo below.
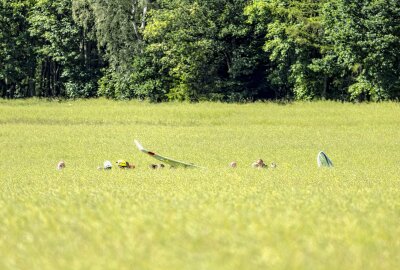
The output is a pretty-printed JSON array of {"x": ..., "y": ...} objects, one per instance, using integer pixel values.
[
  {"x": 118, "y": 27},
  {"x": 366, "y": 39},
  {"x": 295, "y": 44},
  {"x": 204, "y": 50},
  {"x": 68, "y": 61},
  {"x": 17, "y": 59}
]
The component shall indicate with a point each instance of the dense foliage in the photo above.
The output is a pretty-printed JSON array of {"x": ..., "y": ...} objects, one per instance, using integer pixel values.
[{"x": 236, "y": 50}]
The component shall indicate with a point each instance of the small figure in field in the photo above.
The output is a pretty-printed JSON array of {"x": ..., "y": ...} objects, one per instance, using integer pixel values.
[
  {"x": 273, "y": 165},
  {"x": 156, "y": 166},
  {"x": 233, "y": 164},
  {"x": 259, "y": 164},
  {"x": 153, "y": 166},
  {"x": 60, "y": 165},
  {"x": 124, "y": 164},
  {"x": 106, "y": 166}
]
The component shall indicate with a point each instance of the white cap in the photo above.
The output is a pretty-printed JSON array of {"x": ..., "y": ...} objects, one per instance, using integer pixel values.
[{"x": 107, "y": 164}]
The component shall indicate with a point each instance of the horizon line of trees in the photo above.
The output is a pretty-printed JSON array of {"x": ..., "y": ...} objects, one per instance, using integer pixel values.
[{"x": 192, "y": 50}]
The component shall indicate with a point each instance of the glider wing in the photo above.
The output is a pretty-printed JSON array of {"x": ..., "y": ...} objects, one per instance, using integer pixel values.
[{"x": 169, "y": 161}]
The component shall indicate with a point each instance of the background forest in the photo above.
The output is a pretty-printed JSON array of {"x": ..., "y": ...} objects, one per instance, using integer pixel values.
[{"x": 225, "y": 50}]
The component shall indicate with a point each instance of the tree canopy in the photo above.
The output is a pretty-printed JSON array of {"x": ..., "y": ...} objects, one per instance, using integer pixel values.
[{"x": 192, "y": 50}]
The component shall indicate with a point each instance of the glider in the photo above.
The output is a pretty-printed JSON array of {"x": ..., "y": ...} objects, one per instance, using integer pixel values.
[{"x": 169, "y": 161}]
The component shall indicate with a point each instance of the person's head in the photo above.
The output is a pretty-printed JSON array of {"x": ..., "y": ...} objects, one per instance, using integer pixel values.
[
  {"x": 233, "y": 164},
  {"x": 156, "y": 166},
  {"x": 122, "y": 164},
  {"x": 260, "y": 162},
  {"x": 61, "y": 165},
  {"x": 131, "y": 166},
  {"x": 107, "y": 165}
]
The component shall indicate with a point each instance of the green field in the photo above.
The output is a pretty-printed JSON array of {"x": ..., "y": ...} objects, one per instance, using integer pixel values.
[{"x": 294, "y": 217}]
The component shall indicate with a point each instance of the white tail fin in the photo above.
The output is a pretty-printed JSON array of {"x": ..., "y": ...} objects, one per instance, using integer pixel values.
[
  {"x": 323, "y": 160},
  {"x": 138, "y": 145}
]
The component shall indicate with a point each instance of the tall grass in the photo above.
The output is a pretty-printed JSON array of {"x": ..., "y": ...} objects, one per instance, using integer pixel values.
[{"x": 294, "y": 217}]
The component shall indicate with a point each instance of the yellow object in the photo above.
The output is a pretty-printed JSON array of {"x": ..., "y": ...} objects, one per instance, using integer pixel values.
[{"x": 122, "y": 163}]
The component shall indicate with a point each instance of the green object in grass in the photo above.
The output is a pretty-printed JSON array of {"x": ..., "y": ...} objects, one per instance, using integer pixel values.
[{"x": 323, "y": 160}]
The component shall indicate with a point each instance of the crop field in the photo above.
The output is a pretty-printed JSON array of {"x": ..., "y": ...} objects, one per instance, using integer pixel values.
[{"x": 297, "y": 216}]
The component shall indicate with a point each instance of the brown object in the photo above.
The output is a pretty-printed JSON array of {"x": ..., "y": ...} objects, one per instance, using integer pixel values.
[
  {"x": 156, "y": 166},
  {"x": 233, "y": 164},
  {"x": 128, "y": 166},
  {"x": 259, "y": 164}
]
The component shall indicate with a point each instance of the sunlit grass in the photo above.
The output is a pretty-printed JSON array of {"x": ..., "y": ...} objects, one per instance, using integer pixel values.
[{"x": 294, "y": 217}]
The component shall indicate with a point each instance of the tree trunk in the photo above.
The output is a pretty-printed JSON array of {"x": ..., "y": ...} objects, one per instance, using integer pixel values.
[
  {"x": 228, "y": 61},
  {"x": 31, "y": 87},
  {"x": 57, "y": 81},
  {"x": 2, "y": 91},
  {"x": 47, "y": 78},
  {"x": 144, "y": 15},
  {"x": 325, "y": 89},
  {"x": 133, "y": 14}
]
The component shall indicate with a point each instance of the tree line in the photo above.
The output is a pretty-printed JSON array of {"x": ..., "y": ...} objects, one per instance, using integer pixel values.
[{"x": 192, "y": 50}]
